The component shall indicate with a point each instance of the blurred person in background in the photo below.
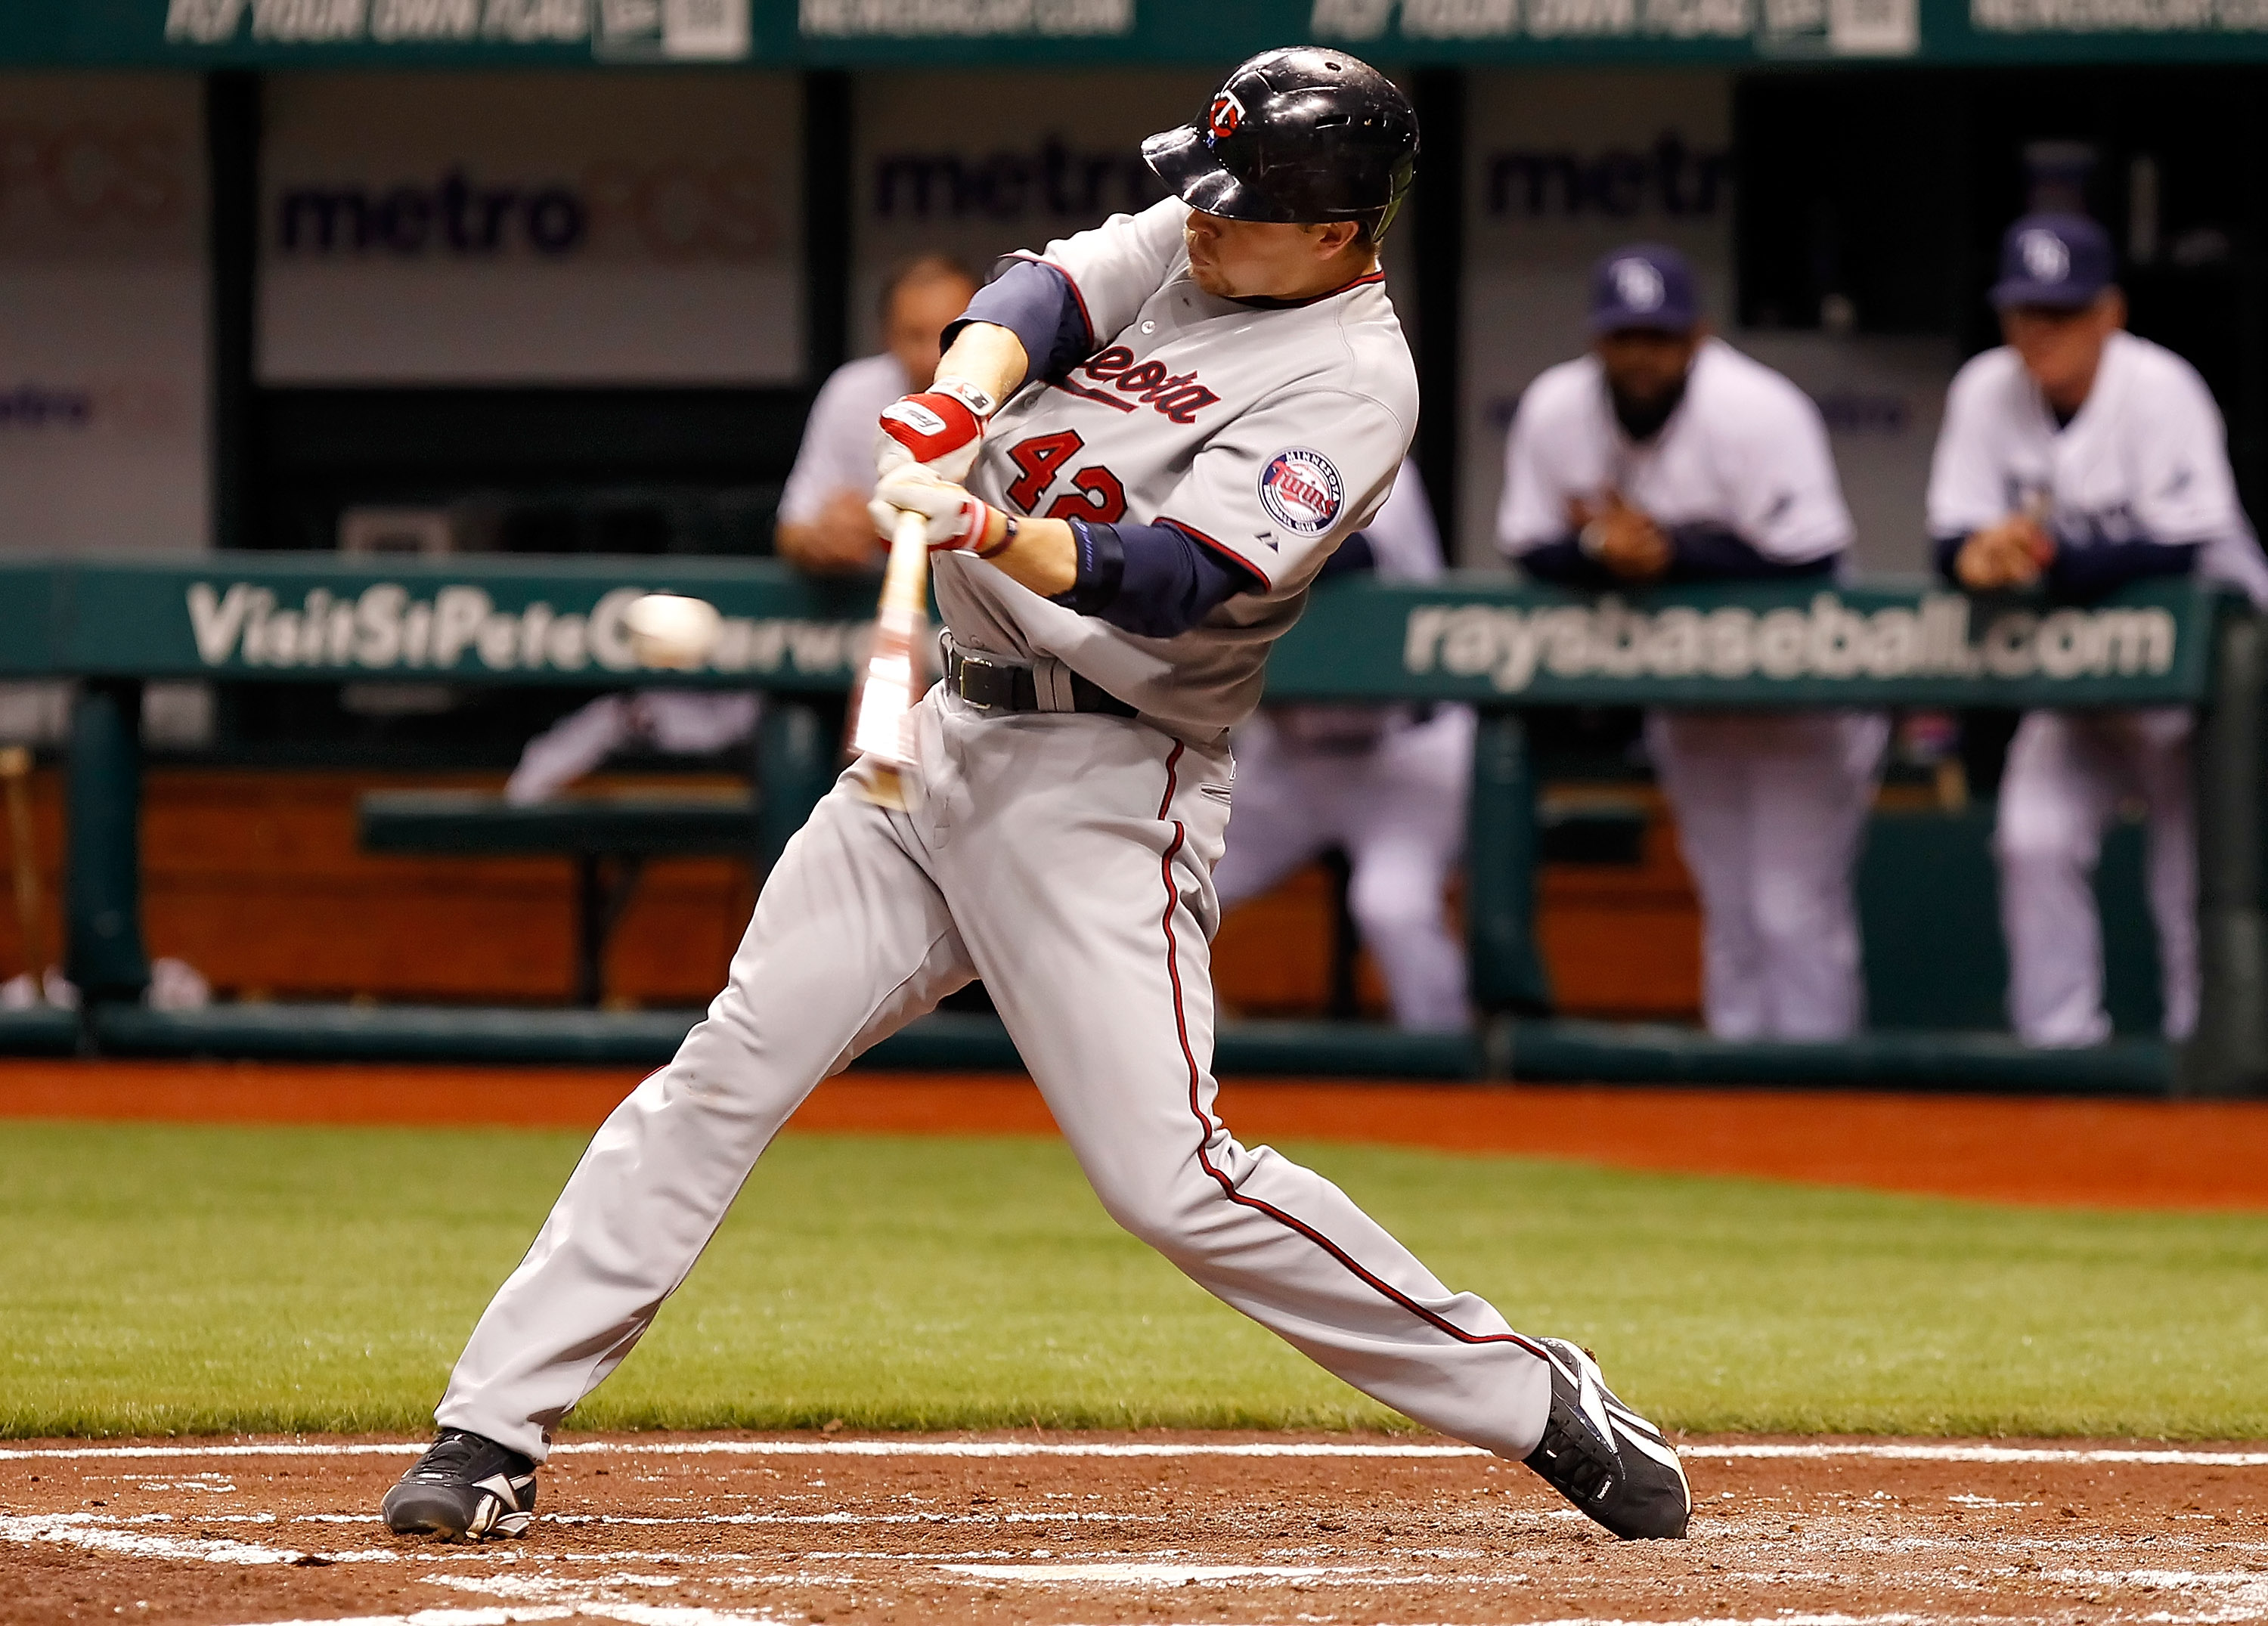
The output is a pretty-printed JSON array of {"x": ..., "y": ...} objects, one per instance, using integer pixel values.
[
  {"x": 2077, "y": 458},
  {"x": 823, "y": 523},
  {"x": 1667, "y": 456},
  {"x": 823, "y": 527},
  {"x": 1385, "y": 783}
]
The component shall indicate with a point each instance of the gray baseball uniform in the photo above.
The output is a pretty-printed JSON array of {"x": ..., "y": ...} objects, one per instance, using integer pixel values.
[
  {"x": 1388, "y": 783},
  {"x": 1066, "y": 857}
]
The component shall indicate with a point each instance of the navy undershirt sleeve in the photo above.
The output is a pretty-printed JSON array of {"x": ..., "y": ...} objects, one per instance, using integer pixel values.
[
  {"x": 1564, "y": 564},
  {"x": 2089, "y": 570},
  {"x": 1156, "y": 581},
  {"x": 2096, "y": 567},
  {"x": 1710, "y": 553},
  {"x": 1945, "y": 551},
  {"x": 1034, "y": 301},
  {"x": 1698, "y": 553},
  {"x": 1351, "y": 557}
]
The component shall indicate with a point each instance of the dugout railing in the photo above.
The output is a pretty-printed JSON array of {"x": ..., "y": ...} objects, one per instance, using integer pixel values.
[{"x": 114, "y": 623}]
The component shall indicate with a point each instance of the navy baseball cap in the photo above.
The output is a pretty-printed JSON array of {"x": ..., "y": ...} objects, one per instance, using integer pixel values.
[
  {"x": 1644, "y": 285},
  {"x": 2062, "y": 261}
]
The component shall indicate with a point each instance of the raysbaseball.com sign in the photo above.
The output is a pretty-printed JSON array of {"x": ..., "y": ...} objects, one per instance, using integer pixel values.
[{"x": 1935, "y": 638}]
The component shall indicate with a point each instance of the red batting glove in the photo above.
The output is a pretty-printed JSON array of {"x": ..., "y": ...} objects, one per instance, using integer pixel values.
[{"x": 941, "y": 427}]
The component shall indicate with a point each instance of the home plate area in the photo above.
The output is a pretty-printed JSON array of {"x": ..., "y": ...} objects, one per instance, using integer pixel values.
[{"x": 676, "y": 1531}]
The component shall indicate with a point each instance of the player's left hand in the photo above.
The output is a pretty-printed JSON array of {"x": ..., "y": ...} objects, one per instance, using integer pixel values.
[
  {"x": 957, "y": 522},
  {"x": 940, "y": 428}
]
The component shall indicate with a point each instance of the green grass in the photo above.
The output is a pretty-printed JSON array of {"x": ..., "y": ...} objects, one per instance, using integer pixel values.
[{"x": 157, "y": 1279}]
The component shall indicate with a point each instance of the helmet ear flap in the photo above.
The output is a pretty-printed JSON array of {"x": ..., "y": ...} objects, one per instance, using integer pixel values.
[{"x": 1405, "y": 173}]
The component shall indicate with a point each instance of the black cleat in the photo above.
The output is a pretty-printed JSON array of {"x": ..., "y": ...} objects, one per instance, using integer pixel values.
[
  {"x": 465, "y": 1488},
  {"x": 1606, "y": 1459}
]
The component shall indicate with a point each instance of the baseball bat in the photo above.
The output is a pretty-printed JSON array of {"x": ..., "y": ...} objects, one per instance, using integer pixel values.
[
  {"x": 16, "y": 769},
  {"x": 883, "y": 733}
]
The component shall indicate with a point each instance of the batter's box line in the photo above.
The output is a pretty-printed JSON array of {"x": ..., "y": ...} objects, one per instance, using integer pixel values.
[{"x": 642, "y": 1615}]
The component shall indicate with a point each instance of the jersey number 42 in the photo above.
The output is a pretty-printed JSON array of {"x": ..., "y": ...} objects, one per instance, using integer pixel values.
[{"x": 1096, "y": 494}]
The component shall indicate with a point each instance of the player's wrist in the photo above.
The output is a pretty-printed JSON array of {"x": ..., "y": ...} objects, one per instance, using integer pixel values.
[
  {"x": 980, "y": 402},
  {"x": 998, "y": 535}
]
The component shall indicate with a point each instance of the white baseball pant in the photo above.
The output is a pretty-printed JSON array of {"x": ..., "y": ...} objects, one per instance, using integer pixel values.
[
  {"x": 1771, "y": 809},
  {"x": 2068, "y": 772},
  {"x": 1397, "y": 806},
  {"x": 1067, "y": 860},
  {"x": 681, "y": 722}
]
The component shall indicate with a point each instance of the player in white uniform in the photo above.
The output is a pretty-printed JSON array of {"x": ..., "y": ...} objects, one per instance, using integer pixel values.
[
  {"x": 1387, "y": 783},
  {"x": 2078, "y": 456},
  {"x": 823, "y": 527},
  {"x": 1665, "y": 455},
  {"x": 1200, "y": 404},
  {"x": 823, "y": 524}
]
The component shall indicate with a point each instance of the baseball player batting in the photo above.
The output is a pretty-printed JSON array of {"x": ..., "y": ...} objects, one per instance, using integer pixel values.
[{"x": 1138, "y": 451}]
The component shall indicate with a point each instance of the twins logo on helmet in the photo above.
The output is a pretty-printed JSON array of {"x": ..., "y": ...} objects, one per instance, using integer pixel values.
[
  {"x": 1225, "y": 114},
  {"x": 1301, "y": 491}
]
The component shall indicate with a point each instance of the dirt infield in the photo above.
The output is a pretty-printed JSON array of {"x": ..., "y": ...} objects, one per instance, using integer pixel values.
[
  {"x": 658, "y": 1530},
  {"x": 2133, "y": 1154}
]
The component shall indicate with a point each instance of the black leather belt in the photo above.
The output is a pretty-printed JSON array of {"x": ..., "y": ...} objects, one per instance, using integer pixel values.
[{"x": 994, "y": 686}]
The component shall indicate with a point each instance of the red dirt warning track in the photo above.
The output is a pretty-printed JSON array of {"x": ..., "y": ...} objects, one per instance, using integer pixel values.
[{"x": 2121, "y": 1154}]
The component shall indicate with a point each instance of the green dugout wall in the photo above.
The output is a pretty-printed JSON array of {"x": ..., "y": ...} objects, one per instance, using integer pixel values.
[{"x": 113, "y": 624}]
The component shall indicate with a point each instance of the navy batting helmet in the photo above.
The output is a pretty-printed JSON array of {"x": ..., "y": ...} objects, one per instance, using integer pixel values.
[{"x": 1300, "y": 135}]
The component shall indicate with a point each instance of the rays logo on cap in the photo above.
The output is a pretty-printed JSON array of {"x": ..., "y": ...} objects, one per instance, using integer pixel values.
[
  {"x": 2047, "y": 259},
  {"x": 1638, "y": 285},
  {"x": 1301, "y": 491},
  {"x": 1225, "y": 114}
]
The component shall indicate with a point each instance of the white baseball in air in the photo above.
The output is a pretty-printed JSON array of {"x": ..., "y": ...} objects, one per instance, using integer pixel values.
[{"x": 673, "y": 631}]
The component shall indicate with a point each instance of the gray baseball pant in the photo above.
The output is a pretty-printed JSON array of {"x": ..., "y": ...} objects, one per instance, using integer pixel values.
[{"x": 1066, "y": 858}]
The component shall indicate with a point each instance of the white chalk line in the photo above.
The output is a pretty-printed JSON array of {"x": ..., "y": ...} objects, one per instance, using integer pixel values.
[
  {"x": 1883, "y": 1451},
  {"x": 634, "y": 1615},
  {"x": 648, "y": 1617},
  {"x": 630, "y": 1614},
  {"x": 1886, "y": 1452}
]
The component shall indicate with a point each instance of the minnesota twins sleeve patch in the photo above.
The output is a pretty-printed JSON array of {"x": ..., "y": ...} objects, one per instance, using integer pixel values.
[{"x": 1302, "y": 491}]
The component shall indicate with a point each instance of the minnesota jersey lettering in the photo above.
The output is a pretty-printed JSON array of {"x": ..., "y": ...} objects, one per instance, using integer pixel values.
[{"x": 1179, "y": 396}]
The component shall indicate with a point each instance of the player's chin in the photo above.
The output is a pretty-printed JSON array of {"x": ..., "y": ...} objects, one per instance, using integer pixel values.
[{"x": 1208, "y": 275}]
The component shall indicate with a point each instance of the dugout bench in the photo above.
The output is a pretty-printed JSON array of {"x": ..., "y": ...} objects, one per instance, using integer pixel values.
[
  {"x": 607, "y": 838},
  {"x": 113, "y": 623}
]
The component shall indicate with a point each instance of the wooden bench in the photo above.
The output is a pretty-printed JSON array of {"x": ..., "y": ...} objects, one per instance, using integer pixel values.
[{"x": 609, "y": 838}]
